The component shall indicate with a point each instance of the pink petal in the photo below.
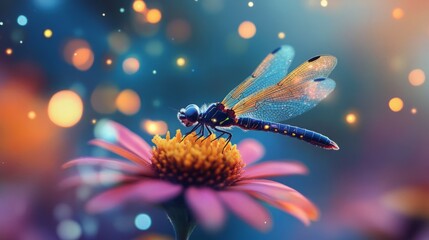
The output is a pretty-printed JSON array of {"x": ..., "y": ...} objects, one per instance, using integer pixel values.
[
  {"x": 251, "y": 150},
  {"x": 120, "y": 151},
  {"x": 149, "y": 191},
  {"x": 273, "y": 169},
  {"x": 281, "y": 196},
  {"x": 132, "y": 141},
  {"x": 247, "y": 209},
  {"x": 97, "y": 178},
  {"x": 206, "y": 207},
  {"x": 156, "y": 191},
  {"x": 287, "y": 207},
  {"x": 111, "y": 198},
  {"x": 111, "y": 164}
]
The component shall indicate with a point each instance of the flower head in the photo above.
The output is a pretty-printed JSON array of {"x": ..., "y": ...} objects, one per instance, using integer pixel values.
[
  {"x": 196, "y": 162},
  {"x": 207, "y": 179}
]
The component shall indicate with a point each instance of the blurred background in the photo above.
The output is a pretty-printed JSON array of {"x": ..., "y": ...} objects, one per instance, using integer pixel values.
[{"x": 67, "y": 66}]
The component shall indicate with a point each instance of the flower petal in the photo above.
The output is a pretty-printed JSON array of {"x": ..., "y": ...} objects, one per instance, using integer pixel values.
[
  {"x": 111, "y": 164},
  {"x": 251, "y": 150},
  {"x": 247, "y": 209},
  {"x": 150, "y": 191},
  {"x": 132, "y": 141},
  {"x": 287, "y": 207},
  {"x": 273, "y": 169},
  {"x": 111, "y": 198},
  {"x": 281, "y": 196},
  {"x": 120, "y": 151},
  {"x": 156, "y": 191},
  {"x": 206, "y": 207},
  {"x": 97, "y": 178}
]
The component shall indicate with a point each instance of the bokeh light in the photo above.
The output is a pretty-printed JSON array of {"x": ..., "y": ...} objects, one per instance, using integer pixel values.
[
  {"x": 143, "y": 221},
  {"x": 119, "y": 42},
  {"x": 324, "y": 3},
  {"x": 212, "y": 6},
  {"x": 131, "y": 65},
  {"x": 104, "y": 130},
  {"x": 156, "y": 103},
  {"x": 417, "y": 77},
  {"x": 31, "y": 115},
  {"x": 247, "y": 29},
  {"x": 351, "y": 118},
  {"x": 83, "y": 58},
  {"x": 103, "y": 99},
  {"x": 139, "y": 6},
  {"x": 154, "y": 48},
  {"x": 281, "y": 35},
  {"x": 179, "y": 30},
  {"x": 71, "y": 47},
  {"x": 69, "y": 230},
  {"x": 47, "y": 4},
  {"x": 154, "y": 127},
  {"x": 413, "y": 111},
  {"x": 410, "y": 201},
  {"x": 47, "y": 33},
  {"x": 22, "y": 20},
  {"x": 24, "y": 152},
  {"x": 396, "y": 104},
  {"x": 153, "y": 16},
  {"x": 128, "y": 102},
  {"x": 250, "y": 4},
  {"x": 397, "y": 63},
  {"x": 145, "y": 25},
  {"x": 109, "y": 61},
  {"x": 181, "y": 61},
  {"x": 90, "y": 225},
  {"x": 65, "y": 108},
  {"x": 397, "y": 13},
  {"x": 9, "y": 51}
]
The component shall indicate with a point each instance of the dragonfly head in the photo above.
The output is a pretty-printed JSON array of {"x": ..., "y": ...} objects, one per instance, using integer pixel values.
[{"x": 189, "y": 115}]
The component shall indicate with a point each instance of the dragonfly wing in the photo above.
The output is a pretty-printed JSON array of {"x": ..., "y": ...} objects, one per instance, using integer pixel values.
[
  {"x": 272, "y": 70},
  {"x": 299, "y": 92}
]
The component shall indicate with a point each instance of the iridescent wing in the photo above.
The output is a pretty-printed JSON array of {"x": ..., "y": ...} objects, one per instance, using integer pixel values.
[
  {"x": 272, "y": 70},
  {"x": 293, "y": 95}
]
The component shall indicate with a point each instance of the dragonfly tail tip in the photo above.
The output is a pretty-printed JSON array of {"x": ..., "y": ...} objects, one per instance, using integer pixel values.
[{"x": 334, "y": 146}]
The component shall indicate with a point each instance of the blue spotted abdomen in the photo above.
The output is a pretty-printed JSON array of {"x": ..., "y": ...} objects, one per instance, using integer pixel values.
[{"x": 285, "y": 129}]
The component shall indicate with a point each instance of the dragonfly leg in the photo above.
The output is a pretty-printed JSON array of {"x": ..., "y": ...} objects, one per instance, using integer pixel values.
[
  {"x": 219, "y": 135},
  {"x": 210, "y": 133},
  {"x": 193, "y": 129},
  {"x": 228, "y": 139},
  {"x": 201, "y": 133}
]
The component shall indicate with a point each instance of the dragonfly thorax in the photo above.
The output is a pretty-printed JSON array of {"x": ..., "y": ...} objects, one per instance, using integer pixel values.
[{"x": 189, "y": 116}]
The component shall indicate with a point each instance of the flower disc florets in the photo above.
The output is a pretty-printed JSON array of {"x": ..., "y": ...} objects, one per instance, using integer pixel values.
[{"x": 197, "y": 162}]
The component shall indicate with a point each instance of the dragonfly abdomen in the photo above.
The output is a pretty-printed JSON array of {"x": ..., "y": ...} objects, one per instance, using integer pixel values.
[{"x": 286, "y": 129}]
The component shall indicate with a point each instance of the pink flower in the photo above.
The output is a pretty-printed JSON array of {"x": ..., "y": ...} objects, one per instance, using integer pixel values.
[{"x": 207, "y": 179}]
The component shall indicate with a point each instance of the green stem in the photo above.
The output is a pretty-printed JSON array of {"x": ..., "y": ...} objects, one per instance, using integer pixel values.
[{"x": 180, "y": 217}]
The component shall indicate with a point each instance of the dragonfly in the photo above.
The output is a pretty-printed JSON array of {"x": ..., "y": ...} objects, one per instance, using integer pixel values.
[{"x": 270, "y": 95}]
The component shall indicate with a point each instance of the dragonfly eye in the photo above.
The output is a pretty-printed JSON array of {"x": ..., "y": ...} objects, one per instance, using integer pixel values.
[
  {"x": 189, "y": 115},
  {"x": 192, "y": 112}
]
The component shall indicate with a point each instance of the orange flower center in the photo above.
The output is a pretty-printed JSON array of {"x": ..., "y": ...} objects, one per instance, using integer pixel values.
[{"x": 196, "y": 162}]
